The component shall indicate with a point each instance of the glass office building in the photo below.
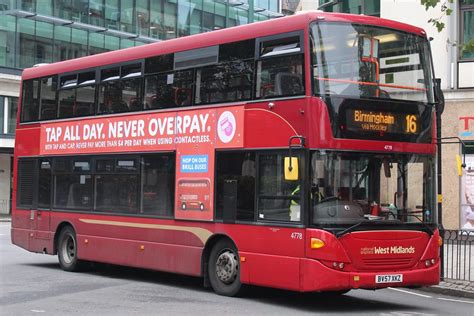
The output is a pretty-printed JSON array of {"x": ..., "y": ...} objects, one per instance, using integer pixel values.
[
  {"x": 367, "y": 7},
  {"x": 46, "y": 31}
]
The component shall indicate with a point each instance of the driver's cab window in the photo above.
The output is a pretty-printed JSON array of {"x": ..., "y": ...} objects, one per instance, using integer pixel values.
[
  {"x": 278, "y": 199},
  {"x": 339, "y": 187},
  {"x": 339, "y": 178},
  {"x": 349, "y": 187}
]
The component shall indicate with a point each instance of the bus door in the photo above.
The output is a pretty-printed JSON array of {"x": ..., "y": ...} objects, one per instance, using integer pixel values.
[{"x": 42, "y": 217}]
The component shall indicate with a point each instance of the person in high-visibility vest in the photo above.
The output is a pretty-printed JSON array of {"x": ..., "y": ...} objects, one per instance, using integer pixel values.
[
  {"x": 295, "y": 208},
  {"x": 295, "y": 205}
]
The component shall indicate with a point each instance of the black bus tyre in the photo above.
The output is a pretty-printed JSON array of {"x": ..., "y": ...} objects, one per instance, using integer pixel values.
[
  {"x": 67, "y": 250},
  {"x": 224, "y": 269}
]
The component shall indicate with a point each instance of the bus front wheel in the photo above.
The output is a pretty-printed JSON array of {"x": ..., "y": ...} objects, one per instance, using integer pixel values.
[
  {"x": 67, "y": 250},
  {"x": 224, "y": 269}
]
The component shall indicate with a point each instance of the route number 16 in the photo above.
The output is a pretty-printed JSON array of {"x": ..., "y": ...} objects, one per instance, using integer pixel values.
[{"x": 411, "y": 123}]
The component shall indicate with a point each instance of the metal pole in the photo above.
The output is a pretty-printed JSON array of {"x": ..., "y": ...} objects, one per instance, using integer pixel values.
[{"x": 440, "y": 192}]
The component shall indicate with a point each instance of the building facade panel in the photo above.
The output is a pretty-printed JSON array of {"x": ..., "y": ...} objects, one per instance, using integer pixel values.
[{"x": 458, "y": 121}]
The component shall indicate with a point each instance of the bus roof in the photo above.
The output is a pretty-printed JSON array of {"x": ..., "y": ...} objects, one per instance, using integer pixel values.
[{"x": 252, "y": 30}]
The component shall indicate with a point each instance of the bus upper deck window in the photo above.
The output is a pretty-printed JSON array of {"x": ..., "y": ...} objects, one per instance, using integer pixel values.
[
  {"x": 131, "y": 71},
  {"x": 68, "y": 81},
  {"x": 280, "y": 76},
  {"x": 288, "y": 45},
  {"x": 110, "y": 74},
  {"x": 48, "y": 106},
  {"x": 30, "y": 106},
  {"x": 87, "y": 78}
]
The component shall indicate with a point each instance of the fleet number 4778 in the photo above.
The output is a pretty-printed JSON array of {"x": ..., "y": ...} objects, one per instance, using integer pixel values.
[{"x": 296, "y": 235}]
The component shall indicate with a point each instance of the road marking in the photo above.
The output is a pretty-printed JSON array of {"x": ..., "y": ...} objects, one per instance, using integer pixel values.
[
  {"x": 37, "y": 311},
  {"x": 405, "y": 314},
  {"x": 453, "y": 300},
  {"x": 408, "y": 292}
]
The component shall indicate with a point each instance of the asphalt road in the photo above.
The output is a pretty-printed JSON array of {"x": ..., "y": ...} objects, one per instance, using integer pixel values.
[{"x": 34, "y": 284}]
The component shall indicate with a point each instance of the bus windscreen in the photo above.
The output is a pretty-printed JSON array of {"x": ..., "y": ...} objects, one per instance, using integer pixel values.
[{"x": 360, "y": 61}]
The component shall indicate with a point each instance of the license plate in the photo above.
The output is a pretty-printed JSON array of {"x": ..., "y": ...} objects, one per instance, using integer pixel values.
[{"x": 389, "y": 278}]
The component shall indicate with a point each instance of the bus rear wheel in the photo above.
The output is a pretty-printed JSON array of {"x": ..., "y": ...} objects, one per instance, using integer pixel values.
[
  {"x": 67, "y": 250},
  {"x": 224, "y": 269}
]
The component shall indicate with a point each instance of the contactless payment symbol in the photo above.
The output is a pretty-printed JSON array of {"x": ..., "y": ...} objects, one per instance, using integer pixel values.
[{"x": 226, "y": 127}]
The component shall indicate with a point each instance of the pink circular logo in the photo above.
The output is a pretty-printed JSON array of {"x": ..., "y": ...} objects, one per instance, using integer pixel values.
[{"x": 226, "y": 127}]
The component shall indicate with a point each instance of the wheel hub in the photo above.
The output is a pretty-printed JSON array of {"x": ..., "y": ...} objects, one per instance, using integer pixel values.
[
  {"x": 69, "y": 250},
  {"x": 227, "y": 267}
]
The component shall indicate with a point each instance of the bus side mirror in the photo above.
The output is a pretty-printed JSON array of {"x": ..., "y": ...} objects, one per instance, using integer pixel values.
[
  {"x": 291, "y": 168},
  {"x": 291, "y": 163},
  {"x": 386, "y": 169},
  {"x": 439, "y": 96}
]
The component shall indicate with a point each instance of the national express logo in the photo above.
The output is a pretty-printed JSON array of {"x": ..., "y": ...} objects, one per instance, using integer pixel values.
[
  {"x": 226, "y": 126},
  {"x": 387, "y": 250}
]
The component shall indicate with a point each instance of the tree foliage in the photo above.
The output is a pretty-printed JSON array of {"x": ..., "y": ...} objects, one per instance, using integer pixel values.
[
  {"x": 440, "y": 25},
  {"x": 445, "y": 10}
]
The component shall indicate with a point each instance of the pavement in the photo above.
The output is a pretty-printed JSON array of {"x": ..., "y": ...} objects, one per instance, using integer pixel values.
[
  {"x": 450, "y": 287},
  {"x": 458, "y": 288},
  {"x": 5, "y": 218}
]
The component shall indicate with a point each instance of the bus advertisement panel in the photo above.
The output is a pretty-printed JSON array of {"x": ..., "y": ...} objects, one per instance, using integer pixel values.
[{"x": 144, "y": 132}]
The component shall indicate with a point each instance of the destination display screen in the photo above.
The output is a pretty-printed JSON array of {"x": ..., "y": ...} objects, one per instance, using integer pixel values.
[{"x": 381, "y": 122}]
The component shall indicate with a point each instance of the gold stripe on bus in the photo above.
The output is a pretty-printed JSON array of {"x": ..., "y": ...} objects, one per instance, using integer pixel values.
[{"x": 201, "y": 233}]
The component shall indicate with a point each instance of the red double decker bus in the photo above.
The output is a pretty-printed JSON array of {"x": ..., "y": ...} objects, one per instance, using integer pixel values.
[{"x": 312, "y": 136}]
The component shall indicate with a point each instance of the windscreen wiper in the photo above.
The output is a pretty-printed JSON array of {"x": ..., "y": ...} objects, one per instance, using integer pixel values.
[
  {"x": 422, "y": 222},
  {"x": 353, "y": 227}
]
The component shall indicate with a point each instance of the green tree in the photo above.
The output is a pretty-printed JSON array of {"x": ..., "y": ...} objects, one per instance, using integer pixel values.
[{"x": 467, "y": 46}]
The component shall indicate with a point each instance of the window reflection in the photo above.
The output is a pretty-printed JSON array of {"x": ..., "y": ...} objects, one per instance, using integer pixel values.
[
  {"x": 168, "y": 90},
  {"x": 225, "y": 82},
  {"x": 158, "y": 184},
  {"x": 48, "y": 98},
  {"x": 280, "y": 76},
  {"x": 347, "y": 188},
  {"x": 42, "y": 42}
]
